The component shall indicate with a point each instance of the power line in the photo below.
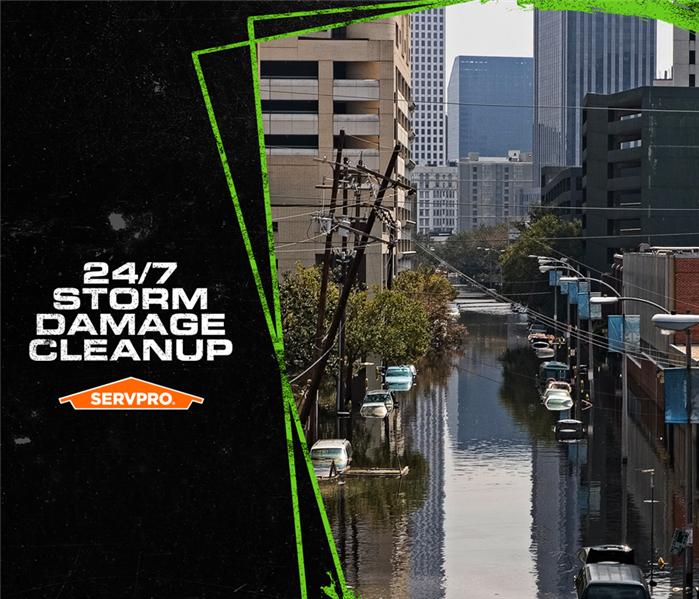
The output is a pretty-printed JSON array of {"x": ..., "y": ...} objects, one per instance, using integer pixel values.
[{"x": 488, "y": 105}]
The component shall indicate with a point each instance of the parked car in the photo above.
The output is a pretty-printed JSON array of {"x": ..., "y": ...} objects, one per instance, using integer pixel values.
[
  {"x": 399, "y": 378},
  {"x": 557, "y": 400},
  {"x": 545, "y": 353},
  {"x": 560, "y": 385},
  {"x": 377, "y": 404},
  {"x": 609, "y": 580},
  {"x": 609, "y": 572},
  {"x": 569, "y": 431},
  {"x": 538, "y": 327},
  {"x": 331, "y": 457},
  {"x": 557, "y": 371}
]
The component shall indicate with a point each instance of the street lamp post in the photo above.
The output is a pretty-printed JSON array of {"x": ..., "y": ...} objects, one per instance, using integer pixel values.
[
  {"x": 624, "y": 379},
  {"x": 685, "y": 322},
  {"x": 625, "y": 402}
]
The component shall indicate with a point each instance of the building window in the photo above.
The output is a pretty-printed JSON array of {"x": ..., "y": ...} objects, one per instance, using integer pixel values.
[
  {"x": 692, "y": 57},
  {"x": 289, "y": 69},
  {"x": 692, "y": 81},
  {"x": 340, "y": 33},
  {"x": 692, "y": 36}
]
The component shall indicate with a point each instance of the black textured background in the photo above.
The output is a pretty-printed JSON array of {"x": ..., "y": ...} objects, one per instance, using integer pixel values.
[{"x": 108, "y": 155}]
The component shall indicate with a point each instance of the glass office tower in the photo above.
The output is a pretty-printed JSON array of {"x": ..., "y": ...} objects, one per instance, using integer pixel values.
[
  {"x": 490, "y": 101},
  {"x": 576, "y": 53}
]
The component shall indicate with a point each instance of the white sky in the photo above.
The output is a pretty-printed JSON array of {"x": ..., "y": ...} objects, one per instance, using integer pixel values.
[{"x": 501, "y": 28}]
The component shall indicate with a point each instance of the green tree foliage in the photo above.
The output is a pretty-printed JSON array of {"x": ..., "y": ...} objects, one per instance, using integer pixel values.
[
  {"x": 298, "y": 296},
  {"x": 547, "y": 235},
  {"x": 435, "y": 293},
  {"x": 392, "y": 324},
  {"x": 466, "y": 251}
]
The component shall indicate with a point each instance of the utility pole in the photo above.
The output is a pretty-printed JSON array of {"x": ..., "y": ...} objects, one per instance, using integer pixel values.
[
  {"x": 310, "y": 399},
  {"x": 326, "y": 264}
]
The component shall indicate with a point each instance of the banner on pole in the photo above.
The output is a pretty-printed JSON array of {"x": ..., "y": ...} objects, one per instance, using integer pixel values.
[
  {"x": 615, "y": 324},
  {"x": 595, "y": 309},
  {"x": 676, "y": 396},
  {"x": 632, "y": 333},
  {"x": 584, "y": 305},
  {"x": 554, "y": 277},
  {"x": 573, "y": 292}
]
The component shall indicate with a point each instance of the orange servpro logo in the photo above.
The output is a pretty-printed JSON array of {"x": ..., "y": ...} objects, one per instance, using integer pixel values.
[{"x": 131, "y": 394}]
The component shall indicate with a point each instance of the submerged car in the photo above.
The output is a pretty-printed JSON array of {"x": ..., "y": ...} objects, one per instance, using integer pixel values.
[
  {"x": 399, "y": 378},
  {"x": 558, "y": 371},
  {"x": 377, "y": 404},
  {"x": 453, "y": 311},
  {"x": 559, "y": 385},
  {"x": 537, "y": 327},
  {"x": 331, "y": 457},
  {"x": 557, "y": 400},
  {"x": 568, "y": 430},
  {"x": 609, "y": 572},
  {"x": 545, "y": 353}
]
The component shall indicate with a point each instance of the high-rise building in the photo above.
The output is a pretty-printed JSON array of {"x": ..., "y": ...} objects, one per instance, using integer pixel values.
[
  {"x": 437, "y": 199},
  {"x": 428, "y": 123},
  {"x": 488, "y": 188},
  {"x": 640, "y": 180},
  {"x": 489, "y": 105},
  {"x": 684, "y": 60},
  {"x": 354, "y": 78},
  {"x": 576, "y": 53}
]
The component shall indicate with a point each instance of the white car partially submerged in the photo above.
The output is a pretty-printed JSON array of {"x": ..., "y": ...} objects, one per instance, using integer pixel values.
[
  {"x": 377, "y": 404},
  {"x": 331, "y": 457}
]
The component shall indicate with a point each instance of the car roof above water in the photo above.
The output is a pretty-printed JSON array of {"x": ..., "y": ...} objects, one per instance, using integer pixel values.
[
  {"x": 614, "y": 572},
  {"x": 328, "y": 443}
]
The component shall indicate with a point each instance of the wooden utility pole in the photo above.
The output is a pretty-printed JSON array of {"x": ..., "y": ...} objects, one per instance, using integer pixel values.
[
  {"x": 310, "y": 399},
  {"x": 328, "y": 247}
]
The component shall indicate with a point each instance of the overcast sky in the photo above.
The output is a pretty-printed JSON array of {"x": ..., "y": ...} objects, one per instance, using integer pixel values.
[{"x": 501, "y": 28}]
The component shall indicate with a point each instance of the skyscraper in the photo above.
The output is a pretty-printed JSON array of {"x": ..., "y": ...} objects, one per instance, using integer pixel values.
[
  {"x": 576, "y": 53},
  {"x": 428, "y": 120},
  {"x": 476, "y": 85},
  {"x": 353, "y": 78}
]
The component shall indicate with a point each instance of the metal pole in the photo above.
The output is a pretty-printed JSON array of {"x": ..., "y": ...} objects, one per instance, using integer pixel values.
[
  {"x": 624, "y": 410},
  {"x": 689, "y": 482},
  {"x": 578, "y": 361},
  {"x": 652, "y": 514},
  {"x": 568, "y": 331},
  {"x": 555, "y": 318},
  {"x": 590, "y": 360}
]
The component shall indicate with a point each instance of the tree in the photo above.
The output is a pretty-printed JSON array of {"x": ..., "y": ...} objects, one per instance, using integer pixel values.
[
  {"x": 392, "y": 324},
  {"x": 298, "y": 298},
  {"x": 547, "y": 235},
  {"x": 466, "y": 251},
  {"x": 435, "y": 293}
]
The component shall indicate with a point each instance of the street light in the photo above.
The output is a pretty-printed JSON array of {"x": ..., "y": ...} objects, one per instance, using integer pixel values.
[
  {"x": 624, "y": 396},
  {"x": 685, "y": 322}
]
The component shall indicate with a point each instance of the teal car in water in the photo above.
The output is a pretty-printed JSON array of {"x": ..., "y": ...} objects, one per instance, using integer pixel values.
[{"x": 399, "y": 378}]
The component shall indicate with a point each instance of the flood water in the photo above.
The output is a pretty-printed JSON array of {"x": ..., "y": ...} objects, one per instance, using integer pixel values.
[{"x": 494, "y": 505}]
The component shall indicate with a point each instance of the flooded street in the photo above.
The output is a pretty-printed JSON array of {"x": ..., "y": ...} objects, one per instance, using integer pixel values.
[{"x": 494, "y": 505}]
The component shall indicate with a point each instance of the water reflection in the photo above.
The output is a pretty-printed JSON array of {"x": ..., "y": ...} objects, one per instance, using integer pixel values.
[{"x": 494, "y": 503}]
